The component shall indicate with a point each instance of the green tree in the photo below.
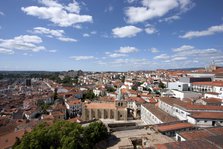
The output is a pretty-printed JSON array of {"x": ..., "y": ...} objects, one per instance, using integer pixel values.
[
  {"x": 94, "y": 133},
  {"x": 55, "y": 94},
  {"x": 162, "y": 85},
  {"x": 147, "y": 89},
  {"x": 123, "y": 79},
  {"x": 110, "y": 89},
  {"x": 63, "y": 135},
  {"x": 89, "y": 94},
  {"x": 17, "y": 142}
]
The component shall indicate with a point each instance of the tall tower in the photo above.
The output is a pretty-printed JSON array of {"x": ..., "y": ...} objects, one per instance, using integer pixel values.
[{"x": 119, "y": 96}]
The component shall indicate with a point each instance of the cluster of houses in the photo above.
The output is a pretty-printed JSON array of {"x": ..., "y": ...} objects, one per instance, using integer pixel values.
[{"x": 172, "y": 103}]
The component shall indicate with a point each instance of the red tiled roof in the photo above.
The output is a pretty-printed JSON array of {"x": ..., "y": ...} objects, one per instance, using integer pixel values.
[
  {"x": 203, "y": 133},
  {"x": 214, "y": 83},
  {"x": 201, "y": 107},
  {"x": 188, "y": 106},
  {"x": 161, "y": 115},
  {"x": 75, "y": 120},
  {"x": 8, "y": 140},
  {"x": 212, "y": 93},
  {"x": 212, "y": 100},
  {"x": 73, "y": 102},
  {"x": 136, "y": 99},
  {"x": 95, "y": 105},
  {"x": 106, "y": 98},
  {"x": 152, "y": 100},
  {"x": 207, "y": 115},
  {"x": 175, "y": 126},
  {"x": 192, "y": 144}
]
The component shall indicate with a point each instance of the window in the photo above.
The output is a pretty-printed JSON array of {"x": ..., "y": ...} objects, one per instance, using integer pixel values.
[
  {"x": 205, "y": 121},
  {"x": 198, "y": 121}
]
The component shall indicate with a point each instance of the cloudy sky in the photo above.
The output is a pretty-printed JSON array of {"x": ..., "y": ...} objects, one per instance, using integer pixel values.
[{"x": 102, "y": 35}]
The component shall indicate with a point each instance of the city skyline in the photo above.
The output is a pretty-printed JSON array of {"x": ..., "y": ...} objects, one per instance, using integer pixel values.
[{"x": 110, "y": 35}]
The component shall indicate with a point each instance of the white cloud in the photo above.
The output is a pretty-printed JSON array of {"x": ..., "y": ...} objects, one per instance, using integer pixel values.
[
  {"x": 2, "y": 13},
  {"x": 6, "y": 51},
  {"x": 127, "y": 49},
  {"x": 170, "y": 19},
  {"x": 78, "y": 58},
  {"x": 179, "y": 58},
  {"x": 155, "y": 8},
  {"x": 77, "y": 26},
  {"x": 188, "y": 50},
  {"x": 161, "y": 57},
  {"x": 57, "y": 13},
  {"x": 131, "y": 1},
  {"x": 122, "y": 52},
  {"x": 126, "y": 31},
  {"x": 93, "y": 32},
  {"x": 66, "y": 39},
  {"x": 210, "y": 31},
  {"x": 49, "y": 32},
  {"x": 109, "y": 9},
  {"x": 101, "y": 63},
  {"x": 187, "y": 55},
  {"x": 59, "y": 34},
  {"x": 52, "y": 51},
  {"x": 154, "y": 50},
  {"x": 183, "y": 48},
  {"x": 150, "y": 30},
  {"x": 115, "y": 55},
  {"x": 134, "y": 63},
  {"x": 22, "y": 42},
  {"x": 86, "y": 35}
]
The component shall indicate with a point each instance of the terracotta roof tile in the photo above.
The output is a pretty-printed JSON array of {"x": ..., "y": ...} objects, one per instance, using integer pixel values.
[
  {"x": 73, "y": 102},
  {"x": 8, "y": 140},
  {"x": 193, "y": 144},
  {"x": 136, "y": 99},
  {"x": 174, "y": 126},
  {"x": 212, "y": 100},
  {"x": 203, "y": 133},
  {"x": 214, "y": 83},
  {"x": 207, "y": 115},
  {"x": 94, "y": 105},
  {"x": 163, "y": 116}
]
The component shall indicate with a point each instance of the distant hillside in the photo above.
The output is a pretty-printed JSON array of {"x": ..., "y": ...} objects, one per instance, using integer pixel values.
[{"x": 188, "y": 69}]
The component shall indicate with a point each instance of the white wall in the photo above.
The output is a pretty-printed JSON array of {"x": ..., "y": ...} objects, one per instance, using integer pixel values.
[
  {"x": 186, "y": 94},
  {"x": 167, "y": 108},
  {"x": 148, "y": 118},
  {"x": 178, "y": 136},
  {"x": 180, "y": 114},
  {"x": 202, "y": 122},
  {"x": 210, "y": 96},
  {"x": 178, "y": 86},
  {"x": 218, "y": 89}
]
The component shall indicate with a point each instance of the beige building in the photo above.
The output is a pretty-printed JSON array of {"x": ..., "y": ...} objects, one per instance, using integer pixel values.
[{"x": 105, "y": 110}]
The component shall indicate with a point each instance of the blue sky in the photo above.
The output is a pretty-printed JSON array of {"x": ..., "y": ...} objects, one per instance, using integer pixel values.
[{"x": 110, "y": 35}]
